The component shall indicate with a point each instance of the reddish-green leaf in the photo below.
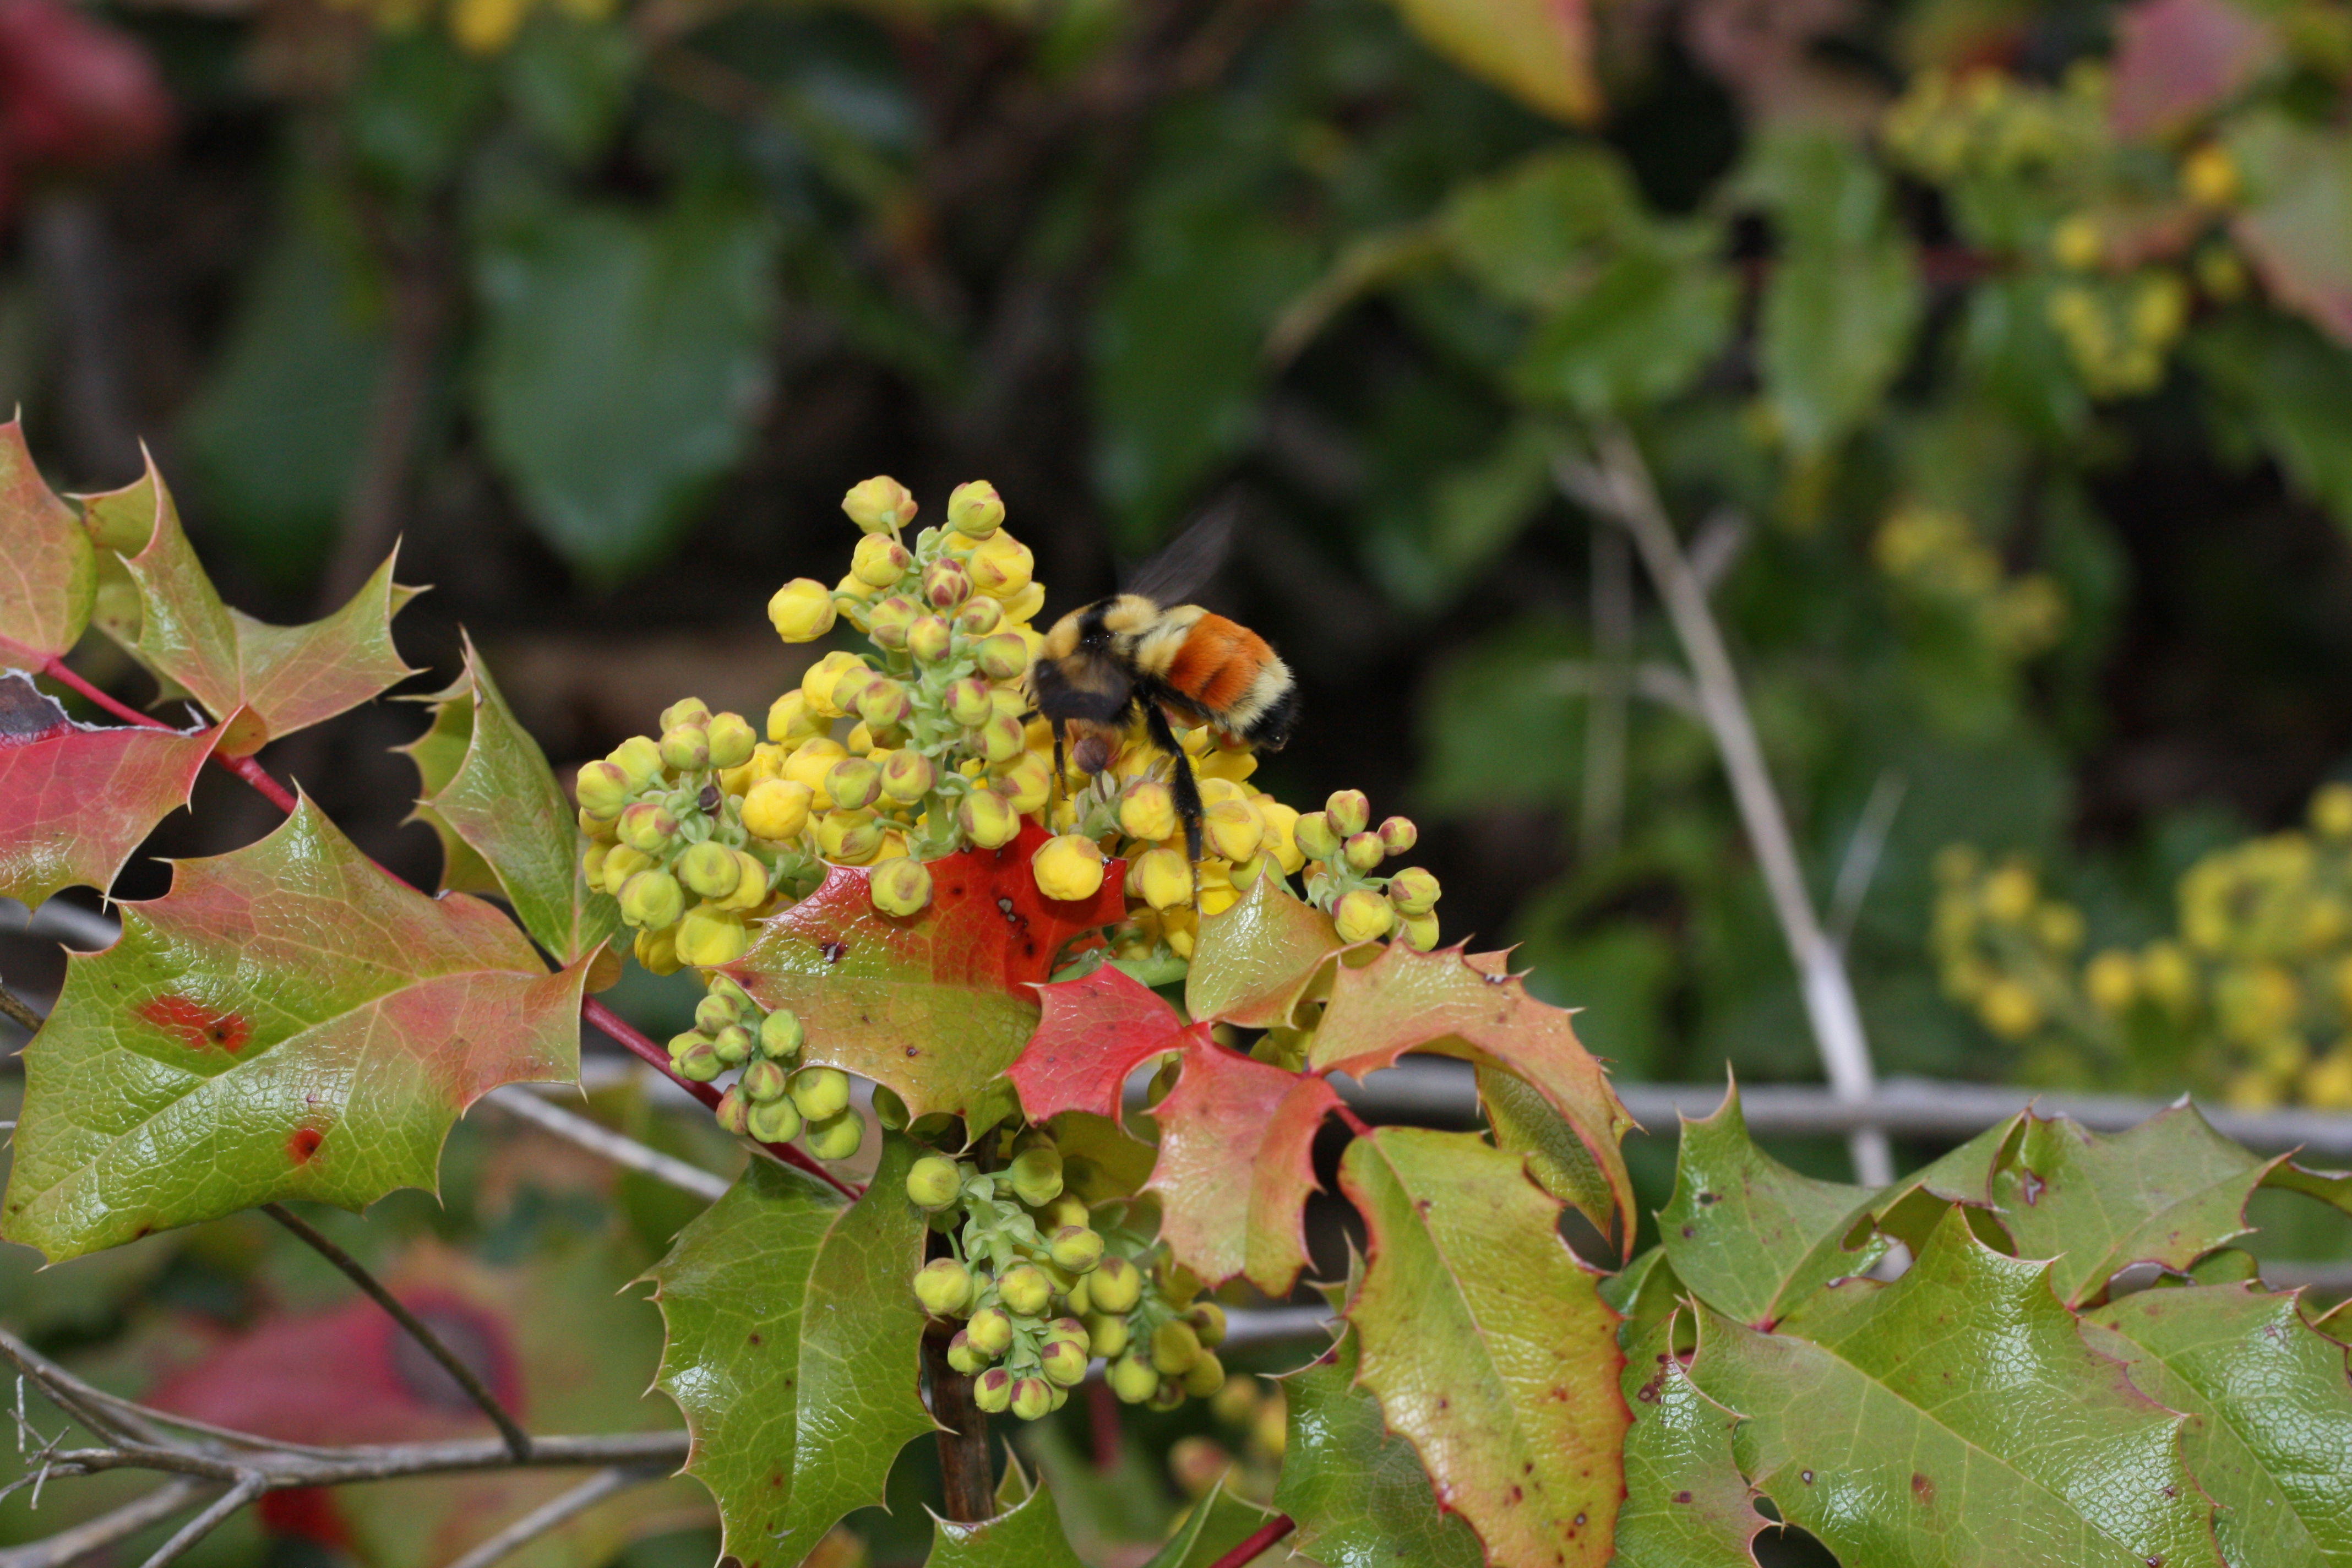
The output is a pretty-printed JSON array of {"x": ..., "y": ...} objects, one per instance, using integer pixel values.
[
  {"x": 1252, "y": 964},
  {"x": 1957, "y": 1418},
  {"x": 282, "y": 679},
  {"x": 1236, "y": 1165},
  {"x": 1460, "y": 1005},
  {"x": 80, "y": 798},
  {"x": 1687, "y": 1505},
  {"x": 2270, "y": 1416},
  {"x": 48, "y": 573},
  {"x": 289, "y": 1021},
  {"x": 1092, "y": 1031},
  {"x": 2177, "y": 60},
  {"x": 936, "y": 1007},
  {"x": 2297, "y": 213},
  {"x": 1488, "y": 1344},
  {"x": 491, "y": 796},
  {"x": 793, "y": 1346},
  {"x": 1538, "y": 51}
]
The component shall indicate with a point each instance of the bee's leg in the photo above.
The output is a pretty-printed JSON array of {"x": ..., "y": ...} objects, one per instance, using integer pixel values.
[
  {"x": 1181, "y": 785},
  {"x": 1060, "y": 768}
]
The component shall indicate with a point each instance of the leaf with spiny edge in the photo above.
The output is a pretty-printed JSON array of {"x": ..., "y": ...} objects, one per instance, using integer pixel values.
[
  {"x": 48, "y": 573},
  {"x": 1027, "y": 1535},
  {"x": 289, "y": 1021},
  {"x": 1487, "y": 1343},
  {"x": 1454, "y": 1004},
  {"x": 1523, "y": 1123},
  {"x": 81, "y": 798},
  {"x": 2270, "y": 1416},
  {"x": 1956, "y": 1417},
  {"x": 1687, "y": 1505},
  {"x": 1216, "y": 1524},
  {"x": 1253, "y": 961},
  {"x": 498, "y": 804},
  {"x": 268, "y": 680},
  {"x": 936, "y": 1005},
  {"x": 1092, "y": 1031},
  {"x": 1750, "y": 1237},
  {"x": 1236, "y": 1165},
  {"x": 1357, "y": 1489},
  {"x": 794, "y": 1350}
]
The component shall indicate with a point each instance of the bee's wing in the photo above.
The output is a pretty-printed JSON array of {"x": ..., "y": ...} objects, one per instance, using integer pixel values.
[{"x": 1177, "y": 572}]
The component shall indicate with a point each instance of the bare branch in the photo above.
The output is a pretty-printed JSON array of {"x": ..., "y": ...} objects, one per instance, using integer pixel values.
[
  {"x": 25, "y": 1014},
  {"x": 204, "y": 1523},
  {"x": 571, "y": 1127},
  {"x": 1862, "y": 854},
  {"x": 557, "y": 1511},
  {"x": 74, "y": 1396},
  {"x": 518, "y": 1440},
  {"x": 1621, "y": 488},
  {"x": 96, "y": 1534},
  {"x": 363, "y": 1462},
  {"x": 1653, "y": 682},
  {"x": 1605, "y": 715}
]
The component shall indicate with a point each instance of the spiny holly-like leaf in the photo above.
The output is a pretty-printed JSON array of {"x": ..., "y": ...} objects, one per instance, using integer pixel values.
[
  {"x": 1236, "y": 1165},
  {"x": 2168, "y": 1192},
  {"x": 2176, "y": 60},
  {"x": 1538, "y": 51},
  {"x": 500, "y": 805},
  {"x": 1027, "y": 1535},
  {"x": 81, "y": 798},
  {"x": 2270, "y": 1416},
  {"x": 2297, "y": 212},
  {"x": 1092, "y": 1031},
  {"x": 1358, "y": 1491},
  {"x": 283, "y": 679},
  {"x": 1462, "y": 1006},
  {"x": 1751, "y": 1236},
  {"x": 289, "y": 1022},
  {"x": 1218, "y": 1524},
  {"x": 1252, "y": 964},
  {"x": 48, "y": 573},
  {"x": 794, "y": 1350},
  {"x": 1488, "y": 1344},
  {"x": 1523, "y": 1123},
  {"x": 550, "y": 1338},
  {"x": 936, "y": 1007},
  {"x": 1685, "y": 1504},
  {"x": 1957, "y": 1418},
  {"x": 1643, "y": 1292}
]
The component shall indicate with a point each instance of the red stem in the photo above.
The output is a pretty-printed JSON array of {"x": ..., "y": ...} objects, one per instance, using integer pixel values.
[
  {"x": 1102, "y": 1413},
  {"x": 1265, "y": 1535},
  {"x": 1355, "y": 1123},
  {"x": 245, "y": 768}
]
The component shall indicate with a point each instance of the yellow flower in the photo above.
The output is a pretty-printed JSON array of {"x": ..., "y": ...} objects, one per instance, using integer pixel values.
[
  {"x": 657, "y": 950},
  {"x": 1000, "y": 566},
  {"x": 1067, "y": 866},
  {"x": 485, "y": 27},
  {"x": 1232, "y": 829},
  {"x": 974, "y": 509},
  {"x": 1021, "y": 608},
  {"x": 2008, "y": 1009},
  {"x": 879, "y": 505},
  {"x": 2252, "y": 1089},
  {"x": 2060, "y": 927},
  {"x": 2256, "y": 1001},
  {"x": 751, "y": 887},
  {"x": 1178, "y": 927},
  {"x": 2331, "y": 811},
  {"x": 802, "y": 610},
  {"x": 2009, "y": 895},
  {"x": 1218, "y": 893},
  {"x": 2209, "y": 176},
  {"x": 2111, "y": 980},
  {"x": 1147, "y": 812},
  {"x": 810, "y": 765},
  {"x": 2327, "y": 1082},
  {"x": 818, "y": 683},
  {"x": 1362, "y": 915},
  {"x": 1161, "y": 877},
  {"x": 2076, "y": 243},
  {"x": 710, "y": 935},
  {"x": 2168, "y": 974},
  {"x": 777, "y": 809},
  {"x": 1281, "y": 838}
]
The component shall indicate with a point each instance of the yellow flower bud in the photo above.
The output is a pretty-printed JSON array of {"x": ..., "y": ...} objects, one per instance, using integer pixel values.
[
  {"x": 1001, "y": 739},
  {"x": 651, "y": 899},
  {"x": 1363, "y": 850},
  {"x": 974, "y": 509},
  {"x": 2111, "y": 980},
  {"x": 982, "y": 617},
  {"x": 686, "y": 749},
  {"x": 901, "y": 885},
  {"x": 657, "y": 950},
  {"x": 883, "y": 703},
  {"x": 710, "y": 870},
  {"x": 1069, "y": 866},
  {"x": 909, "y": 775},
  {"x": 1147, "y": 811},
  {"x": 709, "y": 936},
  {"x": 2209, "y": 176},
  {"x": 802, "y": 610},
  {"x": 879, "y": 505},
  {"x": 1281, "y": 838},
  {"x": 777, "y": 809},
  {"x": 2060, "y": 927},
  {"x": 1218, "y": 893},
  {"x": 987, "y": 819},
  {"x": 647, "y": 826},
  {"x": 852, "y": 837},
  {"x": 2008, "y": 1009},
  {"x": 639, "y": 757},
  {"x": 879, "y": 561},
  {"x": 2158, "y": 308},
  {"x": 791, "y": 721},
  {"x": 853, "y": 783},
  {"x": 1161, "y": 877},
  {"x": 1414, "y": 891},
  {"x": 1398, "y": 834},
  {"x": 1362, "y": 915},
  {"x": 621, "y": 863},
  {"x": 2009, "y": 894},
  {"x": 1232, "y": 829},
  {"x": 1420, "y": 932},
  {"x": 1027, "y": 782},
  {"x": 810, "y": 765},
  {"x": 1349, "y": 811},
  {"x": 2076, "y": 243},
  {"x": 1021, "y": 608},
  {"x": 730, "y": 739},
  {"x": 686, "y": 710},
  {"x": 1001, "y": 566},
  {"x": 602, "y": 789},
  {"x": 2327, "y": 1082},
  {"x": 751, "y": 884},
  {"x": 1009, "y": 699},
  {"x": 2331, "y": 811},
  {"x": 1002, "y": 656},
  {"x": 945, "y": 583},
  {"x": 591, "y": 866}
]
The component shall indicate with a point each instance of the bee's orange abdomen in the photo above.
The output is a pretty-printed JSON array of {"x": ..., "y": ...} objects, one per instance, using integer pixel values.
[{"x": 1217, "y": 664}]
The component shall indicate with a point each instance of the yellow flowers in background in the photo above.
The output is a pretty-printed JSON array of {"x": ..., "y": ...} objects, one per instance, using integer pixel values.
[
  {"x": 477, "y": 26},
  {"x": 2251, "y": 997},
  {"x": 1935, "y": 556}
]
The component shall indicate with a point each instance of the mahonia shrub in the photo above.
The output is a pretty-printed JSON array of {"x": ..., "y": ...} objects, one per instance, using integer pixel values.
[{"x": 2044, "y": 1348}]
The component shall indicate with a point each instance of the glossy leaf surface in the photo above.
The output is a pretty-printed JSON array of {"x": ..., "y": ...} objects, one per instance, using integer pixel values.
[
  {"x": 48, "y": 573},
  {"x": 1236, "y": 1165},
  {"x": 1026, "y": 1535},
  {"x": 1687, "y": 1505},
  {"x": 1253, "y": 963},
  {"x": 289, "y": 1021},
  {"x": 1092, "y": 1031},
  {"x": 794, "y": 1350}
]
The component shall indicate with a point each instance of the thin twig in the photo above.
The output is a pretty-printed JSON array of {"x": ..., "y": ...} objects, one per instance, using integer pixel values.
[
  {"x": 73, "y": 1396},
  {"x": 598, "y": 1139},
  {"x": 518, "y": 1440},
  {"x": 96, "y": 1535},
  {"x": 1257, "y": 1541},
  {"x": 204, "y": 1523},
  {"x": 1605, "y": 715},
  {"x": 1862, "y": 854},
  {"x": 363, "y": 1462},
  {"x": 1621, "y": 488},
  {"x": 556, "y": 1512},
  {"x": 21, "y": 1011},
  {"x": 246, "y": 768},
  {"x": 68, "y": 924},
  {"x": 1651, "y": 682}
]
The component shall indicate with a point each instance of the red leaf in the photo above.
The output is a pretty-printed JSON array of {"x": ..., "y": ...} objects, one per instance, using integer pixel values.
[
  {"x": 81, "y": 798},
  {"x": 1094, "y": 1032},
  {"x": 74, "y": 92},
  {"x": 936, "y": 1007},
  {"x": 48, "y": 573},
  {"x": 1236, "y": 1165},
  {"x": 2176, "y": 58}
]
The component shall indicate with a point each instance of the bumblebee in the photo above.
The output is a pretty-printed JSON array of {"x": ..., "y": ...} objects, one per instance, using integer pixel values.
[{"x": 1135, "y": 657}]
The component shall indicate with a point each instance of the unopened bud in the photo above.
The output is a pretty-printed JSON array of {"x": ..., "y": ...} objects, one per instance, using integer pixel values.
[
  {"x": 854, "y": 783},
  {"x": 1027, "y": 782},
  {"x": 1362, "y": 915},
  {"x": 763, "y": 1082},
  {"x": 879, "y": 505},
  {"x": 651, "y": 899},
  {"x": 928, "y": 639},
  {"x": 1075, "y": 1248},
  {"x": 731, "y": 1110},
  {"x": 1116, "y": 1285},
  {"x": 887, "y": 621},
  {"x": 820, "y": 1093},
  {"x": 879, "y": 561},
  {"x": 944, "y": 1286},
  {"x": 733, "y": 1045},
  {"x": 1162, "y": 877},
  {"x": 686, "y": 749},
  {"x": 691, "y": 710},
  {"x": 991, "y": 1331},
  {"x": 933, "y": 1182},
  {"x": 777, "y": 809},
  {"x": 901, "y": 885},
  {"x": 708, "y": 937},
  {"x": 602, "y": 790},
  {"x": 987, "y": 819},
  {"x": 837, "y": 1137},
  {"x": 716, "y": 1012},
  {"x": 1069, "y": 866},
  {"x": 710, "y": 870},
  {"x": 1133, "y": 1379},
  {"x": 1147, "y": 811},
  {"x": 731, "y": 739},
  {"x": 1348, "y": 811},
  {"x": 802, "y": 610},
  {"x": 1033, "y": 1398},
  {"x": 1204, "y": 1376},
  {"x": 647, "y": 828},
  {"x": 698, "y": 1063},
  {"x": 1001, "y": 739},
  {"x": 1315, "y": 835},
  {"x": 967, "y": 703},
  {"x": 884, "y": 704},
  {"x": 946, "y": 584},
  {"x": 1420, "y": 932},
  {"x": 639, "y": 757},
  {"x": 780, "y": 1035},
  {"x": 791, "y": 721},
  {"x": 1207, "y": 1320},
  {"x": 1398, "y": 834},
  {"x": 1024, "y": 1291},
  {"x": 1233, "y": 828},
  {"x": 962, "y": 1357},
  {"x": 1413, "y": 891},
  {"x": 777, "y": 1122},
  {"x": 1364, "y": 850},
  {"x": 1002, "y": 656},
  {"x": 852, "y": 837},
  {"x": 1107, "y": 1336},
  {"x": 908, "y": 775},
  {"x": 1175, "y": 1346},
  {"x": 1036, "y": 1176},
  {"x": 1064, "y": 1362},
  {"x": 980, "y": 617},
  {"x": 1001, "y": 566},
  {"x": 974, "y": 509}
]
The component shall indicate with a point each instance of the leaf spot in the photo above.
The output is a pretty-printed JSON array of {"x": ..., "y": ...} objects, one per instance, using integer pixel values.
[
  {"x": 1806, "y": 1477},
  {"x": 1923, "y": 1488},
  {"x": 195, "y": 1026},
  {"x": 304, "y": 1144},
  {"x": 835, "y": 952}
]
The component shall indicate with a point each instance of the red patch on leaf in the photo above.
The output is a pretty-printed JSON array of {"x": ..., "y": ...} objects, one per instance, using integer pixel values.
[
  {"x": 2175, "y": 59},
  {"x": 1236, "y": 1163},
  {"x": 303, "y": 1144},
  {"x": 195, "y": 1026},
  {"x": 1091, "y": 1033}
]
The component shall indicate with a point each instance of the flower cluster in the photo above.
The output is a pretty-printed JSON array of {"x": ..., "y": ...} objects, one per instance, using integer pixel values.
[
  {"x": 1041, "y": 1286},
  {"x": 2252, "y": 993},
  {"x": 1937, "y": 558}
]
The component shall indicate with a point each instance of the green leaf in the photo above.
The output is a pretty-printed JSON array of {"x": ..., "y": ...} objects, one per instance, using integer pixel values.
[
  {"x": 1253, "y": 963},
  {"x": 1748, "y": 1235},
  {"x": 1647, "y": 325},
  {"x": 794, "y": 1347},
  {"x": 1523, "y": 1123},
  {"x": 674, "y": 307},
  {"x": 1217, "y": 1523},
  {"x": 1487, "y": 1343},
  {"x": 2296, "y": 213},
  {"x": 2270, "y": 1416},
  {"x": 1538, "y": 51},
  {"x": 289, "y": 1022},
  {"x": 1358, "y": 1491},
  {"x": 1027, "y": 1536},
  {"x": 48, "y": 573},
  {"x": 1687, "y": 1505},
  {"x": 2289, "y": 381},
  {"x": 1957, "y": 1418},
  {"x": 1532, "y": 233},
  {"x": 81, "y": 798},
  {"x": 498, "y": 809},
  {"x": 284, "y": 678}
]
